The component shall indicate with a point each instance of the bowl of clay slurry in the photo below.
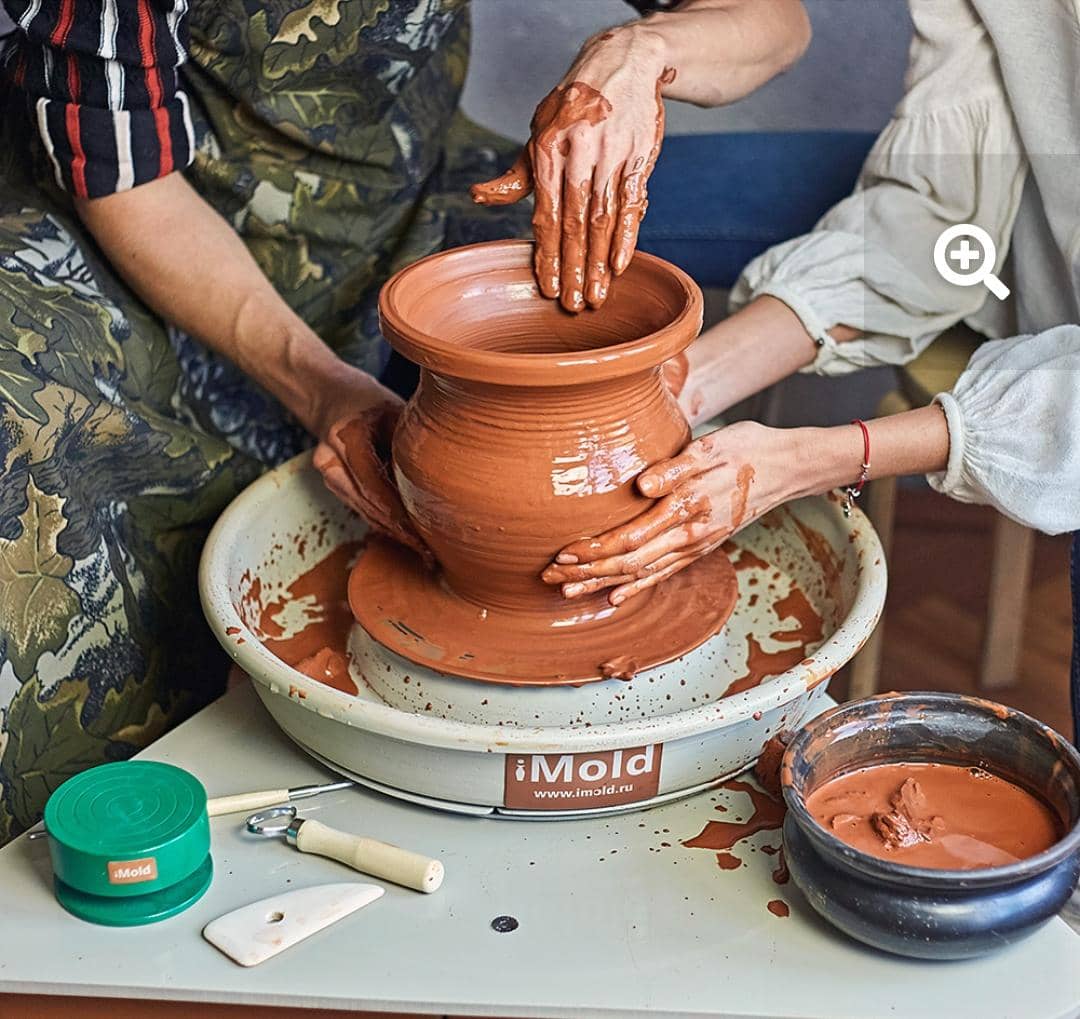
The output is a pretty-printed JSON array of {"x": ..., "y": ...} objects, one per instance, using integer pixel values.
[{"x": 920, "y": 911}]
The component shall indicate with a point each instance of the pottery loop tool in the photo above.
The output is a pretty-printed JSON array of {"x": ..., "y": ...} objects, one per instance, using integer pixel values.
[
  {"x": 237, "y": 804},
  {"x": 257, "y": 932},
  {"x": 240, "y": 802},
  {"x": 369, "y": 856}
]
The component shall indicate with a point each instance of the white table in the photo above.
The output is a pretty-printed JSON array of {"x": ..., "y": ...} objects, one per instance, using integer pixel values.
[{"x": 612, "y": 921}]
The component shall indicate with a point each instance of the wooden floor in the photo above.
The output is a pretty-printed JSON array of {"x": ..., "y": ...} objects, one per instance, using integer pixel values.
[{"x": 938, "y": 576}]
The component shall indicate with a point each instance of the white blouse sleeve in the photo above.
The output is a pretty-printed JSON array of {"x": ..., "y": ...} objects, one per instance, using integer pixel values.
[
  {"x": 1014, "y": 430},
  {"x": 950, "y": 155}
]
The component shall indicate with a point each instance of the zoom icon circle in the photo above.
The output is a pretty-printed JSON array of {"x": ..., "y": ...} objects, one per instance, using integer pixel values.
[{"x": 960, "y": 262}]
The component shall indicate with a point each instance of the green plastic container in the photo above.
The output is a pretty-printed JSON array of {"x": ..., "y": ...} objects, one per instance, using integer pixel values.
[{"x": 130, "y": 842}]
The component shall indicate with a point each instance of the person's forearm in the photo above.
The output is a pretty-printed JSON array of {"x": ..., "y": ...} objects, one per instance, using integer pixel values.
[
  {"x": 756, "y": 347},
  {"x": 722, "y": 50},
  {"x": 760, "y": 345},
  {"x": 190, "y": 267},
  {"x": 765, "y": 342},
  {"x": 914, "y": 442}
]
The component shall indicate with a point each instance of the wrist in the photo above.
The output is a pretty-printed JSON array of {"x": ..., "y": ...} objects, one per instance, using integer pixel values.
[
  {"x": 824, "y": 458},
  {"x": 650, "y": 45},
  {"x": 638, "y": 43},
  {"x": 290, "y": 361},
  {"x": 912, "y": 442}
]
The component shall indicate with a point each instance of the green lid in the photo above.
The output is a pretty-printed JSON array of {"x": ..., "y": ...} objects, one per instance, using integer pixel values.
[{"x": 129, "y": 842}]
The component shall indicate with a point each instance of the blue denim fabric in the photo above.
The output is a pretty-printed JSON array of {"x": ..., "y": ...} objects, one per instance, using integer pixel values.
[{"x": 718, "y": 200}]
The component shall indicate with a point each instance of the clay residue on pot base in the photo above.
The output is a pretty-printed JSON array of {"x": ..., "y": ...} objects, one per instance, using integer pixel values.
[
  {"x": 620, "y": 667},
  {"x": 942, "y": 816},
  {"x": 413, "y": 613}
]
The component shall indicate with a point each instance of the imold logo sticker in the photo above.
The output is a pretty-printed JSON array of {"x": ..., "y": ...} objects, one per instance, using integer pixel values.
[
  {"x": 581, "y": 781},
  {"x": 130, "y": 872}
]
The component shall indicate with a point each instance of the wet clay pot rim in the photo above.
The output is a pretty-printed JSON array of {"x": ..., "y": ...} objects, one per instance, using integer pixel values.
[
  {"x": 878, "y": 708},
  {"x": 479, "y": 262}
]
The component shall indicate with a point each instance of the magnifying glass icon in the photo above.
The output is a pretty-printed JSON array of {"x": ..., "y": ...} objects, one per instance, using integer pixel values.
[{"x": 954, "y": 247}]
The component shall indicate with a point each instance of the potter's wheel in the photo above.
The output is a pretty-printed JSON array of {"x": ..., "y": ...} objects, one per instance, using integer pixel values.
[
  {"x": 588, "y": 640},
  {"x": 445, "y": 741}
]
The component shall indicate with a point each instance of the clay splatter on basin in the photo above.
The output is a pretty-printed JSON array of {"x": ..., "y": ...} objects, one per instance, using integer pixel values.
[{"x": 309, "y": 626}]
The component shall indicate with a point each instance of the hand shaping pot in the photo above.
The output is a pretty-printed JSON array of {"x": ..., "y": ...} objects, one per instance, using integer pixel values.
[
  {"x": 527, "y": 432},
  {"x": 915, "y": 911}
]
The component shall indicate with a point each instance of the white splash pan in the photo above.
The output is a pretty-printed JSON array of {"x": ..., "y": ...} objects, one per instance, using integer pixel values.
[{"x": 466, "y": 759}]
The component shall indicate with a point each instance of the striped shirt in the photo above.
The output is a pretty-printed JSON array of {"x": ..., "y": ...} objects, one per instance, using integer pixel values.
[{"x": 102, "y": 77}]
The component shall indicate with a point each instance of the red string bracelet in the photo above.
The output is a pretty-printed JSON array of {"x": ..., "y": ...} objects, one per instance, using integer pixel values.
[{"x": 852, "y": 492}]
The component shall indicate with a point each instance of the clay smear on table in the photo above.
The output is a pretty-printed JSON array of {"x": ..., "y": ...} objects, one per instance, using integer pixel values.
[
  {"x": 318, "y": 647},
  {"x": 767, "y": 814},
  {"x": 942, "y": 816}
]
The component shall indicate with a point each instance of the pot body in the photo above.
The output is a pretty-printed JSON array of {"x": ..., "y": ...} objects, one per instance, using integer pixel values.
[
  {"x": 497, "y": 478},
  {"x": 529, "y": 424}
]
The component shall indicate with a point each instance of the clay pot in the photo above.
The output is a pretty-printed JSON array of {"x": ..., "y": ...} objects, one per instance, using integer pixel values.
[
  {"x": 530, "y": 424},
  {"x": 527, "y": 432}
]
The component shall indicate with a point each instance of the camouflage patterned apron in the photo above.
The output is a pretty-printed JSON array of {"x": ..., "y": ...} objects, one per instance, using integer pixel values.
[{"x": 328, "y": 137}]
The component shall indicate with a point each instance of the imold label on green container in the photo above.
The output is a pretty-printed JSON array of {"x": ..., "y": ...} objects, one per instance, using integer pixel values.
[{"x": 131, "y": 872}]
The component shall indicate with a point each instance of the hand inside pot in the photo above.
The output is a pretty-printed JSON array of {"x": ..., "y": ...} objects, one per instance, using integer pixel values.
[
  {"x": 354, "y": 461},
  {"x": 717, "y": 485},
  {"x": 594, "y": 142}
]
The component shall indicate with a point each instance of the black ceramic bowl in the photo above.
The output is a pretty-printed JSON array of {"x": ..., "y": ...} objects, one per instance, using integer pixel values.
[{"x": 915, "y": 911}]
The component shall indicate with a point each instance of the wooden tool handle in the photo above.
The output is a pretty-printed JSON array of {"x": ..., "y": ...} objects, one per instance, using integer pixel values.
[
  {"x": 369, "y": 856},
  {"x": 246, "y": 801}
]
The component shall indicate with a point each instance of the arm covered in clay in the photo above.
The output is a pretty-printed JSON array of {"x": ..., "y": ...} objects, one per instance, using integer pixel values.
[
  {"x": 205, "y": 281},
  {"x": 595, "y": 138}
]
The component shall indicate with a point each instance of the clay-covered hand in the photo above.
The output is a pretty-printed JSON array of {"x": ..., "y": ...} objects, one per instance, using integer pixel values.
[
  {"x": 717, "y": 485},
  {"x": 354, "y": 458},
  {"x": 675, "y": 371},
  {"x": 594, "y": 141}
]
